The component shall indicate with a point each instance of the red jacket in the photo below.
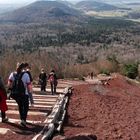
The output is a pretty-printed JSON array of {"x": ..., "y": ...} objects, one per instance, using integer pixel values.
[{"x": 3, "y": 97}]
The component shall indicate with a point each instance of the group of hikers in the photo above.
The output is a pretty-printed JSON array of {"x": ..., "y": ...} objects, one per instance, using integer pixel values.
[
  {"x": 20, "y": 88},
  {"x": 52, "y": 78},
  {"x": 90, "y": 75}
]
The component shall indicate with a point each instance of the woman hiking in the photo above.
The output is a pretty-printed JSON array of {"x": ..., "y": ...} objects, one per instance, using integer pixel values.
[{"x": 3, "y": 105}]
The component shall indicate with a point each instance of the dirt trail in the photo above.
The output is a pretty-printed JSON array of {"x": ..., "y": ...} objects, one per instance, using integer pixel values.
[{"x": 111, "y": 112}]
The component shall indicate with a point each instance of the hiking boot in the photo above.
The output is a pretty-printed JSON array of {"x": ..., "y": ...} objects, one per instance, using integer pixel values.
[
  {"x": 4, "y": 120},
  {"x": 23, "y": 123}
]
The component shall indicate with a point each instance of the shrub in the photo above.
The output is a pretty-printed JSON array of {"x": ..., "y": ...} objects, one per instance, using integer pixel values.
[{"x": 130, "y": 70}]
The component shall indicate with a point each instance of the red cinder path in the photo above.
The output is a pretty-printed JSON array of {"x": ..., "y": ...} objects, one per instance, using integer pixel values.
[{"x": 110, "y": 111}]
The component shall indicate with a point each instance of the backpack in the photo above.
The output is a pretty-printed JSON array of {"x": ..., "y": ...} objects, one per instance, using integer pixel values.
[
  {"x": 18, "y": 88},
  {"x": 51, "y": 78}
]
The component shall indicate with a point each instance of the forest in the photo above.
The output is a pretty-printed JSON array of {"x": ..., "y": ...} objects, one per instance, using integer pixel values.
[{"x": 87, "y": 45}]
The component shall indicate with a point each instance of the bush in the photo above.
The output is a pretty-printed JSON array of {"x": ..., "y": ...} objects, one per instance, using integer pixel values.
[
  {"x": 130, "y": 70},
  {"x": 105, "y": 71}
]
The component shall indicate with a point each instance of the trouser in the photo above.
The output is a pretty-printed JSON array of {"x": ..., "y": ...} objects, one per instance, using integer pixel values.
[
  {"x": 23, "y": 105},
  {"x": 43, "y": 87},
  {"x": 31, "y": 98},
  {"x": 3, "y": 115},
  {"x": 53, "y": 88}
]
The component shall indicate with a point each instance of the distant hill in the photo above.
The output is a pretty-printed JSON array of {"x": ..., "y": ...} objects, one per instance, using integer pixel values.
[
  {"x": 119, "y": 1},
  {"x": 133, "y": 3},
  {"x": 134, "y": 15},
  {"x": 95, "y": 6},
  {"x": 40, "y": 11}
]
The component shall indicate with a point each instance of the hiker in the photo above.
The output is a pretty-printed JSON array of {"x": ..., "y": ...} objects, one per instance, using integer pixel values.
[
  {"x": 27, "y": 69},
  {"x": 20, "y": 85},
  {"x": 43, "y": 80},
  {"x": 53, "y": 81},
  {"x": 3, "y": 105},
  {"x": 91, "y": 75},
  {"x": 88, "y": 76}
]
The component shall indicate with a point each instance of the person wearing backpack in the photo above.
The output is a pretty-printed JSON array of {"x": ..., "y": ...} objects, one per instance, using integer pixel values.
[
  {"x": 43, "y": 80},
  {"x": 52, "y": 78},
  {"x": 3, "y": 105},
  {"x": 20, "y": 85}
]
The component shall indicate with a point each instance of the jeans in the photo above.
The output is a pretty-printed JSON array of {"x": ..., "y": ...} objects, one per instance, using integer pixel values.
[
  {"x": 53, "y": 88},
  {"x": 31, "y": 98},
  {"x": 23, "y": 105},
  {"x": 43, "y": 86}
]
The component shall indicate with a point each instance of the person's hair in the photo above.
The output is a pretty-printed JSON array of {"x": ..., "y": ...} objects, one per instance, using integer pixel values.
[
  {"x": 52, "y": 71},
  {"x": 26, "y": 64},
  {"x": 20, "y": 67}
]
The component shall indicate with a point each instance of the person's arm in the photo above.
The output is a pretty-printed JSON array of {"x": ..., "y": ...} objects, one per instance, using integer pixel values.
[
  {"x": 10, "y": 80},
  {"x": 29, "y": 88},
  {"x": 31, "y": 79},
  {"x": 28, "y": 83}
]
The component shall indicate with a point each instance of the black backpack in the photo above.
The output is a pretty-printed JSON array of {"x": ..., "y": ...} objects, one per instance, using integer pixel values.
[{"x": 18, "y": 88}]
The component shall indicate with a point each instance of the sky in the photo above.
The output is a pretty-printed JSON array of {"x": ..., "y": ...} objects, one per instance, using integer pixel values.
[
  {"x": 15, "y": 1},
  {"x": 30, "y": 1}
]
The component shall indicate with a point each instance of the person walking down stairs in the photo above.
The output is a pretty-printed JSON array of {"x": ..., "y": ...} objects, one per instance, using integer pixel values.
[
  {"x": 53, "y": 81},
  {"x": 43, "y": 80},
  {"x": 3, "y": 105}
]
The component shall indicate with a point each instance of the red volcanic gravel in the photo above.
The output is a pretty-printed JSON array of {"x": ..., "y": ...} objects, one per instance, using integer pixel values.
[{"x": 111, "y": 112}]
